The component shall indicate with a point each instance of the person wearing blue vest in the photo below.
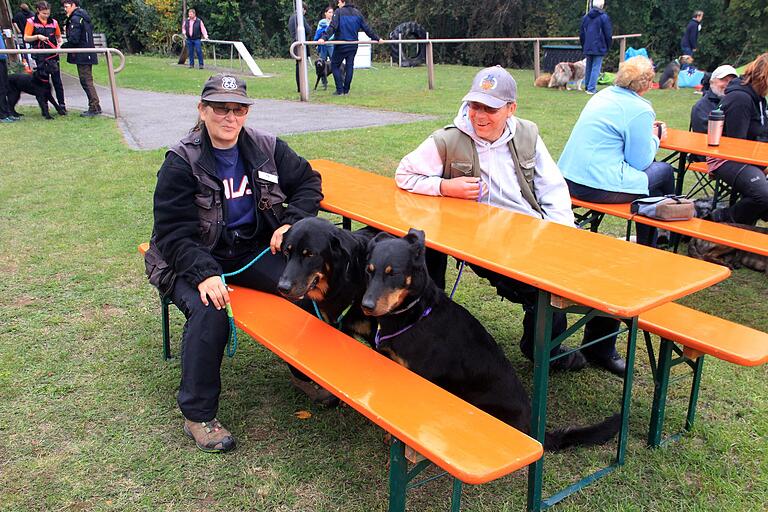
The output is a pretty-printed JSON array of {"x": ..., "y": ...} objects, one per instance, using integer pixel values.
[
  {"x": 609, "y": 157},
  {"x": 595, "y": 37},
  {"x": 5, "y": 111},
  {"x": 347, "y": 21},
  {"x": 194, "y": 31}
]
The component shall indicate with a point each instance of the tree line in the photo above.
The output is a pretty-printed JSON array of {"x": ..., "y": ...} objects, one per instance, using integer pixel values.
[{"x": 733, "y": 31}]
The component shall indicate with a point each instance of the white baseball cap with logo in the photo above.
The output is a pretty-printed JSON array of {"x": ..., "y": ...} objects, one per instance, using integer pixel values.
[
  {"x": 493, "y": 87},
  {"x": 723, "y": 71}
]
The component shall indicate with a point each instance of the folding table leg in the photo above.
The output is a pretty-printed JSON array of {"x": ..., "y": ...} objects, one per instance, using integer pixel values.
[
  {"x": 541, "y": 350},
  {"x": 661, "y": 385},
  {"x": 164, "y": 313},
  {"x": 456, "y": 496},
  {"x": 398, "y": 476},
  {"x": 698, "y": 367},
  {"x": 627, "y": 392}
]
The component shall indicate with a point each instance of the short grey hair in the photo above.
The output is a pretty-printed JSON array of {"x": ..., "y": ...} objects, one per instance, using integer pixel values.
[{"x": 598, "y": 3}]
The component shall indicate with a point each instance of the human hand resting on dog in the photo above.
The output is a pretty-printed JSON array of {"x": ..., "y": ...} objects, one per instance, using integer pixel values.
[
  {"x": 463, "y": 187},
  {"x": 214, "y": 288},
  {"x": 277, "y": 238}
]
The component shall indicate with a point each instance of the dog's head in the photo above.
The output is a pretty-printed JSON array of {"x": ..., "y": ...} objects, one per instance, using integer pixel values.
[
  {"x": 45, "y": 69},
  {"x": 313, "y": 249},
  {"x": 396, "y": 270},
  {"x": 561, "y": 75},
  {"x": 321, "y": 66},
  {"x": 686, "y": 59}
]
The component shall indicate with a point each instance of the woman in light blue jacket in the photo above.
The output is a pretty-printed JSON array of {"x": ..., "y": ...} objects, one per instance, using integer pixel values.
[{"x": 609, "y": 157}]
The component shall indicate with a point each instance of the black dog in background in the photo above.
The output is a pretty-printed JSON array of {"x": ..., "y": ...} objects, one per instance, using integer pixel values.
[
  {"x": 323, "y": 71},
  {"x": 425, "y": 331},
  {"x": 38, "y": 85}
]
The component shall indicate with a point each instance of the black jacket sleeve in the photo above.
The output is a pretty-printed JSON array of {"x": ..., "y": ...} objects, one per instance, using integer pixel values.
[
  {"x": 75, "y": 31},
  {"x": 301, "y": 184},
  {"x": 177, "y": 222}
]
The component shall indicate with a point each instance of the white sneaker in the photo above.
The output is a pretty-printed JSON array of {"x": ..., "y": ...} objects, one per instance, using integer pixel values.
[{"x": 590, "y": 93}]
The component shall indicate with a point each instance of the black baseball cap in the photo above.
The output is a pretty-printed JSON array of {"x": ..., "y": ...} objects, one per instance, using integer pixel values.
[{"x": 223, "y": 88}]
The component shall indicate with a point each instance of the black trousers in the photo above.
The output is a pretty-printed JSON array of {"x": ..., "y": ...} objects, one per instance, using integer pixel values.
[
  {"x": 85, "y": 73},
  {"x": 5, "y": 109},
  {"x": 346, "y": 54},
  {"x": 526, "y": 295},
  {"x": 751, "y": 185},
  {"x": 206, "y": 332}
]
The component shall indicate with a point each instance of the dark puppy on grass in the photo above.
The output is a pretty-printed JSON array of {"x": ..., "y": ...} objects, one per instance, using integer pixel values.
[
  {"x": 423, "y": 330},
  {"x": 38, "y": 85},
  {"x": 327, "y": 265}
]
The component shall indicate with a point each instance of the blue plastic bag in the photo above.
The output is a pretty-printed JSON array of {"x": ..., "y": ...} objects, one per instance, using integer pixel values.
[
  {"x": 631, "y": 52},
  {"x": 689, "y": 77}
]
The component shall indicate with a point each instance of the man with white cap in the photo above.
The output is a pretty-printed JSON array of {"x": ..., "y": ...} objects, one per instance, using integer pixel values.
[
  {"x": 491, "y": 156},
  {"x": 718, "y": 81}
]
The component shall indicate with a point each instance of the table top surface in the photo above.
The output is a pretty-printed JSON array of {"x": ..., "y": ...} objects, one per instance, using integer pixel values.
[
  {"x": 737, "y": 150},
  {"x": 594, "y": 270}
]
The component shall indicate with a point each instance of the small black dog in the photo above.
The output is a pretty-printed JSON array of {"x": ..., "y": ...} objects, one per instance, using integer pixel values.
[
  {"x": 425, "y": 331},
  {"x": 327, "y": 264},
  {"x": 323, "y": 71},
  {"x": 38, "y": 85}
]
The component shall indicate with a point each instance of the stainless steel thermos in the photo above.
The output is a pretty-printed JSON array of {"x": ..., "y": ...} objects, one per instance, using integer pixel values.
[{"x": 715, "y": 127}]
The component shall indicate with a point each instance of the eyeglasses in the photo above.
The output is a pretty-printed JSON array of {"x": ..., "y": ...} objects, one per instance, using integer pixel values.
[
  {"x": 222, "y": 111},
  {"x": 485, "y": 108}
]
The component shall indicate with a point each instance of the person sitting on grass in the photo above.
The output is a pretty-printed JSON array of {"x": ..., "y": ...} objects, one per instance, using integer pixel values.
[
  {"x": 218, "y": 203},
  {"x": 491, "y": 156}
]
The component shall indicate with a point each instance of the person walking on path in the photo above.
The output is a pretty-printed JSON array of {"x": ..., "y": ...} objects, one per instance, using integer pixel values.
[
  {"x": 5, "y": 110},
  {"x": 689, "y": 42},
  {"x": 293, "y": 29},
  {"x": 44, "y": 33},
  {"x": 595, "y": 36},
  {"x": 347, "y": 21},
  {"x": 79, "y": 29},
  {"x": 194, "y": 32},
  {"x": 225, "y": 194}
]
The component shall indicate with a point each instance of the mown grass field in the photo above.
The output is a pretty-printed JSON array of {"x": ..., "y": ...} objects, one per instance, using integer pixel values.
[{"x": 88, "y": 419}]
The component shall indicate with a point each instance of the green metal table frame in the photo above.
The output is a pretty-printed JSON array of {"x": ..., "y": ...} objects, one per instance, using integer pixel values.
[{"x": 543, "y": 344}]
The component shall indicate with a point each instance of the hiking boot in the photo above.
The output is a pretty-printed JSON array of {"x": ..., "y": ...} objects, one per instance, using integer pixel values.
[
  {"x": 316, "y": 393},
  {"x": 90, "y": 113},
  {"x": 573, "y": 361},
  {"x": 210, "y": 436}
]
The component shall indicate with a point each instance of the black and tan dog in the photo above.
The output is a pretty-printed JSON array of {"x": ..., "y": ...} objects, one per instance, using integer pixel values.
[
  {"x": 729, "y": 256},
  {"x": 327, "y": 265},
  {"x": 671, "y": 72},
  {"x": 38, "y": 85},
  {"x": 423, "y": 330}
]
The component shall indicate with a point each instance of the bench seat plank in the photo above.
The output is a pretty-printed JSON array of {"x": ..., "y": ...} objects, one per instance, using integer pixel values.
[
  {"x": 731, "y": 236},
  {"x": 709, "y": 334},
  {"x": 463, "y": 440}
]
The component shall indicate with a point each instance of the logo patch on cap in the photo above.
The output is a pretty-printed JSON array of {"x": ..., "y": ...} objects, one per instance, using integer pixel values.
[
  {"x": 488, "y": 83},
  {"x": 228, "y": 82}
]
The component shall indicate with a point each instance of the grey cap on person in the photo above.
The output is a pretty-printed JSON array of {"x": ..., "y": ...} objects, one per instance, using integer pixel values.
[
  {"x": 723, "y": 71},
  {"x": 494, "y": 87},
  {"x": 223, "y": 88}
]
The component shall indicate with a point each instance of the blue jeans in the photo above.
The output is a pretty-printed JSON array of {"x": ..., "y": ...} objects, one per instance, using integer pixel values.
[
  {"x": 592, "y": 72},
  {"x": 195, "y": 46},
  {"x": 687, "y": 51},
  {"x": 345, "y": 53},
  {"x": 661, "y": 182},
  {"x": 325, "y": 51}
]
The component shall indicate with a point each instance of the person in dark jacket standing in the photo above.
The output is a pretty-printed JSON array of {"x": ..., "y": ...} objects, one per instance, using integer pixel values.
[
  {"x": 5, "y": 110},
  {"x": 194, "y": 31},
  {"x": 21, "y": 17},
  {"x": 224, "y": 193},
  {"x": 746, "y": 117},
  {"x": 293, "y": 30},
  {"x": 347, "y": 21},
  {"x": 44, "y": 33},
  {"x": 595, "y": 35},
  {"x": 79, "y": 30},
  {"x": 689, "y": 42}
]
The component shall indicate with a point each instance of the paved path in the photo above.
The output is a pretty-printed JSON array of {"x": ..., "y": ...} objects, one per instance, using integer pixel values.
[{"x": 152, "y": 120}]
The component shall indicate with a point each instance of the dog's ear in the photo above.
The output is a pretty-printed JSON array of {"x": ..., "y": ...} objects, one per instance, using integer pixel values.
[
  {"x": 338, "y": 248},
  {"x": 415, "y": 237},
  {"x": 376, "y": 239}
]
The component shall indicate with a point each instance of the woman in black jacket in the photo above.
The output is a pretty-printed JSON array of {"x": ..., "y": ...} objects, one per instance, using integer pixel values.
[
  {"x": 746, "y": 117},
  {"x": 224, "y": 194}
]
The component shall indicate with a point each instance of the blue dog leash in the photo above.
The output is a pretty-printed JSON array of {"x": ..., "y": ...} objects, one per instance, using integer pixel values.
[{"x": 232, "y": 341}]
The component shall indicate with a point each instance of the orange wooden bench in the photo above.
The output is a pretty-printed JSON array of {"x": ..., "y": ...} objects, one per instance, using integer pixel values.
[
  {"x": 699, "y": 334},
  {"x": 697, "y": 228},
  {"x": 467, "y": 443}
]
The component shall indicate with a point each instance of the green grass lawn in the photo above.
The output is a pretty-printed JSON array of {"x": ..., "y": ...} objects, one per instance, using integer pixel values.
[{"x": 87, "y": 406}]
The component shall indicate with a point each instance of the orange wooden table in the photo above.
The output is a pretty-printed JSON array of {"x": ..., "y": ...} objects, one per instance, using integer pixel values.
[
  {"x": 592, "y": 270},
  {"x": 737, "y": 150}
]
